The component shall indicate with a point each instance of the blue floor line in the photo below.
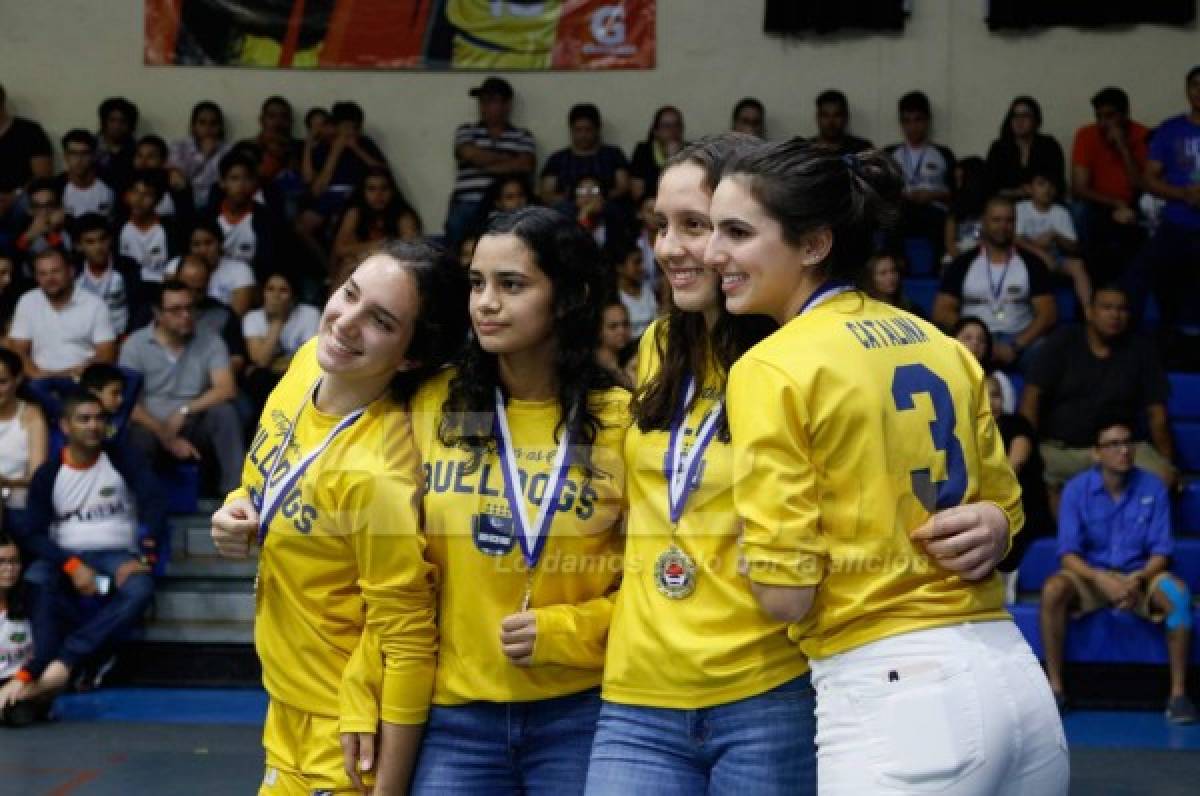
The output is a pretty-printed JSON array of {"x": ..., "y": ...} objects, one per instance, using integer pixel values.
[{"x": 1095, "y": 729}]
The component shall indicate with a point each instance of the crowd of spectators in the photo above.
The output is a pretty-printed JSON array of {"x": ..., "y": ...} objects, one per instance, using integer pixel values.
[{"x": 152, "y": 293}]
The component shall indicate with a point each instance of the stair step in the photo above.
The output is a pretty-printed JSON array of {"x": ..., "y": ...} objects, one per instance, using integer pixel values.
[
  {"x": 214, "y": 567},
  {"x": 198, "y": 632},
  {"x": 206, "y": 601}
]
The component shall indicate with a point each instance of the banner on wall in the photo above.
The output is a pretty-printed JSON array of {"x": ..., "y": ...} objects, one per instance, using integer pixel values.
[
  {"x": 1024, "y": 14},
  {"x": 402, "y": 34}
]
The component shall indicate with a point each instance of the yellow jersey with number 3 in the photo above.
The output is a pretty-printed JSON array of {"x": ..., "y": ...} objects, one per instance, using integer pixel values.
[{"x": 851, "y": 425}]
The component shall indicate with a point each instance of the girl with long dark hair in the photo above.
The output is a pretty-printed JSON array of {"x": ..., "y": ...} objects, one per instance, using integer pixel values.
[
  {"x": 1023, "y": 150},
  {"x": 376, "y": 211}
]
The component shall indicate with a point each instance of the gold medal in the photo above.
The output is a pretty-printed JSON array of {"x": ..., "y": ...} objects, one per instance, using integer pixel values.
[{"x": 675, "y": 573}]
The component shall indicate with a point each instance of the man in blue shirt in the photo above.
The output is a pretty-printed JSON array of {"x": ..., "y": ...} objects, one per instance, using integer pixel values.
[
  {"x": 1114, "y": 542},
  {"x": 1173, "y": 173}
]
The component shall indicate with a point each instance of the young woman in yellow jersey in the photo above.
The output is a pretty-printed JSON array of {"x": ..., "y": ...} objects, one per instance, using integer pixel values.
[
  {"x": 331, "y": 492},
  {"x": 521, "y": 444},
  {"x": 853, "y": 424},
  {"x": 703, "y": 692}
]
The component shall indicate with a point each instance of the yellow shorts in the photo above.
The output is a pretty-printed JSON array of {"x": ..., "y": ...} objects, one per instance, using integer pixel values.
[{"x": 304, "y": 754}]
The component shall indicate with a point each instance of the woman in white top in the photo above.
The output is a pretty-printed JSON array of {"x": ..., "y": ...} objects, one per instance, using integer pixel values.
[
  {"x": 274, "y": 332},
  {"x": 197, "y": 155},
  {"x": 23, "y": 438}
]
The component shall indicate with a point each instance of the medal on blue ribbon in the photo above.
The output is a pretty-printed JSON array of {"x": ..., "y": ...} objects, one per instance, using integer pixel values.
[
  {"x": 674, "y": 569},
  {"x": 531, "y": 536},
  {"x": 274, "y": 494}
]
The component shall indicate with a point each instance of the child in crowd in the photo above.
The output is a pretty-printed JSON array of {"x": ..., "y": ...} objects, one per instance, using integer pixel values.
[
  {"x": 145, "y": 238},
  {"x": 151, "y": 155},
  {"x": 198, "y": 155},
  {"x": 232, "y": 281},
  {"x": 47, "y": 221},
  {"x": 376, "y": 211},
  {"x": 117, "y": 281},
  {"x": 117, "y": 393},
  {"x": 883, "y": 282},
  {"x": 635, "y": 291},
  {"x": 965, "y": 219},
  {"x": 17, "y": 708},
  {"x": 246, "y": 226},
  {"x": 614, "y": 338},
  {"x": 1045, "y": 228},
  {"x": 82, "y": 190}
]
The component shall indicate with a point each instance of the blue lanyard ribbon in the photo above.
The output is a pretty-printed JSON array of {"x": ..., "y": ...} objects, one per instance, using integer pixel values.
[
  {"x": 996, "y": 287},
  {"x": 273, "y": 496},
  {"x": 823, "y": 294},
  {"x": 531, "y": 536},
  {"x": 680, "y": 468}
]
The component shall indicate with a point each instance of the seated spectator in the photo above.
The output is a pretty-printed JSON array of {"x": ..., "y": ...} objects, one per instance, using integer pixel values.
[
  {"x": 115, "y": 142},
  {"x": 1022, "y": 151},
  {"x": 1085, "y": 372},
  {"x": 375, "y": 212},
  {"x": 587, "y": 156},
  {"x": 1107, "y": 161},
  {"x": 1045, "y": 228},
  {"x": 1173, "y": 173},
  {"x": 319, "y": 131},
  {"x": 341, "y": 164},
  {"x": 928, "y": 169},
  {"x": 230, "y": 281},
  {"x": 466, "y": 251},
  {"x": 273, "y": 333},
  {"x": 189, "y": 389},
  {"x": 977, "y": 339},
  {"x": 1002, "y": 285},
  {"x": 176, "y": 204},
  {"x": 115, "y": 280},
  {"x": 82, "y": 534},
  {"x": 965, "y": 219},
  {"x": 1114, "y": 541},
  {"x": 647, "y": 231},
  {"x": 82, "y": 190},
  {"x": 1020, "y": 443},
  {"x": 605, "y": 219},
  {"x": 635, "y": 292},
  {"x": 25, "y": 151},
  {"x": 18, "y": 707},
  {"x": 614, "y": 337},
  {"x": 487, "y": 149},
  {"x": 750, "y": 117},
  {"x": 12, "y": 286},
  {"x": 198, "y": 156},
  {"x": 248, "y": 229},
  {"x": 12, "y": 216},
  {"x": 280, "y": 151},
  {"x": 664, "y": 140},
  {"x": 505, "y": 194},
  {"x": 47, "y": 221},
  {"x": 883, "y": 282},
  {"x": 57, "y": 329},
  {"x": 213, "y": 315},
  {"x": 23, "y": 439},
  {"x": 145, "y": 238},
  {"x": 117, "y": 393},
  {"x": 833, "y": 120}
]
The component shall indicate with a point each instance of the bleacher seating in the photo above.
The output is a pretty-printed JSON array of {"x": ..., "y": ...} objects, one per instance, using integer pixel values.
[
  {"x": 1184, "y": 403},
  {"x": 919, "y": 254},
  {"x": 1106, "y": 636},
  {"x": 921, "y": 293},
  {"x": 1064, "y": 299},
  {"x": 1187, "y": 444},
  {"x": 1187, "y": 517}
]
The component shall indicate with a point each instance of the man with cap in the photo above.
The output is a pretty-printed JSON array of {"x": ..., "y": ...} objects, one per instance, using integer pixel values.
[{"x": 484, "y": 151}]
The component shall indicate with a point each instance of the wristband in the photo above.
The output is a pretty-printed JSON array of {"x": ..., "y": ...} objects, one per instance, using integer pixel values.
[
  {"x": 71, "y": 564},
  {"x": 24, "y": 676}
]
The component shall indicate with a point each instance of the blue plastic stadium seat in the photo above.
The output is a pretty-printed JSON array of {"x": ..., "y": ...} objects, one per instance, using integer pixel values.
[
  {"x": 1106, "y": 636},
  {"x": 1187, "y": 445},
  {"x": 1064, "y": 298},
  {"x": 1151, "y": 316},
  {"x": 919, "y": 253},
  {"x": 1018, "y": 384},
  {"x": 182, "y": 484},
  {"x": 1184, "y": 403},
  {"x": 1187, "y": 519},
  {"x": 921, "y": 293}
]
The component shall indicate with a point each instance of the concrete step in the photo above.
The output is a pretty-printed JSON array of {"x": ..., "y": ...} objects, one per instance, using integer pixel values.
[
  {"x": 190, "y": 538},
  {"x": 198, "y": 632},
  {"x": 197, "y": 567},
  {"x": 205, "y": 601}
]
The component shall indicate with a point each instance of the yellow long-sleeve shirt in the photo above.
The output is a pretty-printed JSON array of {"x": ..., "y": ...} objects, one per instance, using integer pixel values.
[
  {"x": 851, "y": 425},
  {"x": 344, "y": 553},
  {"x": 483, "y": 574},
  {"x": 716, "y": 645}
]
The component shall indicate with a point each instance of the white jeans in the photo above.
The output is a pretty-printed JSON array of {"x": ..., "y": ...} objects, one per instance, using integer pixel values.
[{"x": 955, "y": 710}]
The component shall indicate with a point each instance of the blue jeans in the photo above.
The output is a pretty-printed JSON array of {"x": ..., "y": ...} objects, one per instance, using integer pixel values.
[
  {"x": 535, "y": 748},
  {"x": 761, "y": 745},
  {"x": 63, "y": 626}
]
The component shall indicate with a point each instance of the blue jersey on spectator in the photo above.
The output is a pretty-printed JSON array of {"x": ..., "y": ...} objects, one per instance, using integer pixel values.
[
  {"x": 1176, "y": 145},
  {"x": 1115, "y": 535}
]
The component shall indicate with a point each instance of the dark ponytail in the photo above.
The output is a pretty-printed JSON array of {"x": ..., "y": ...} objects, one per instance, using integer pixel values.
[{"x": 804, "y": 188}]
